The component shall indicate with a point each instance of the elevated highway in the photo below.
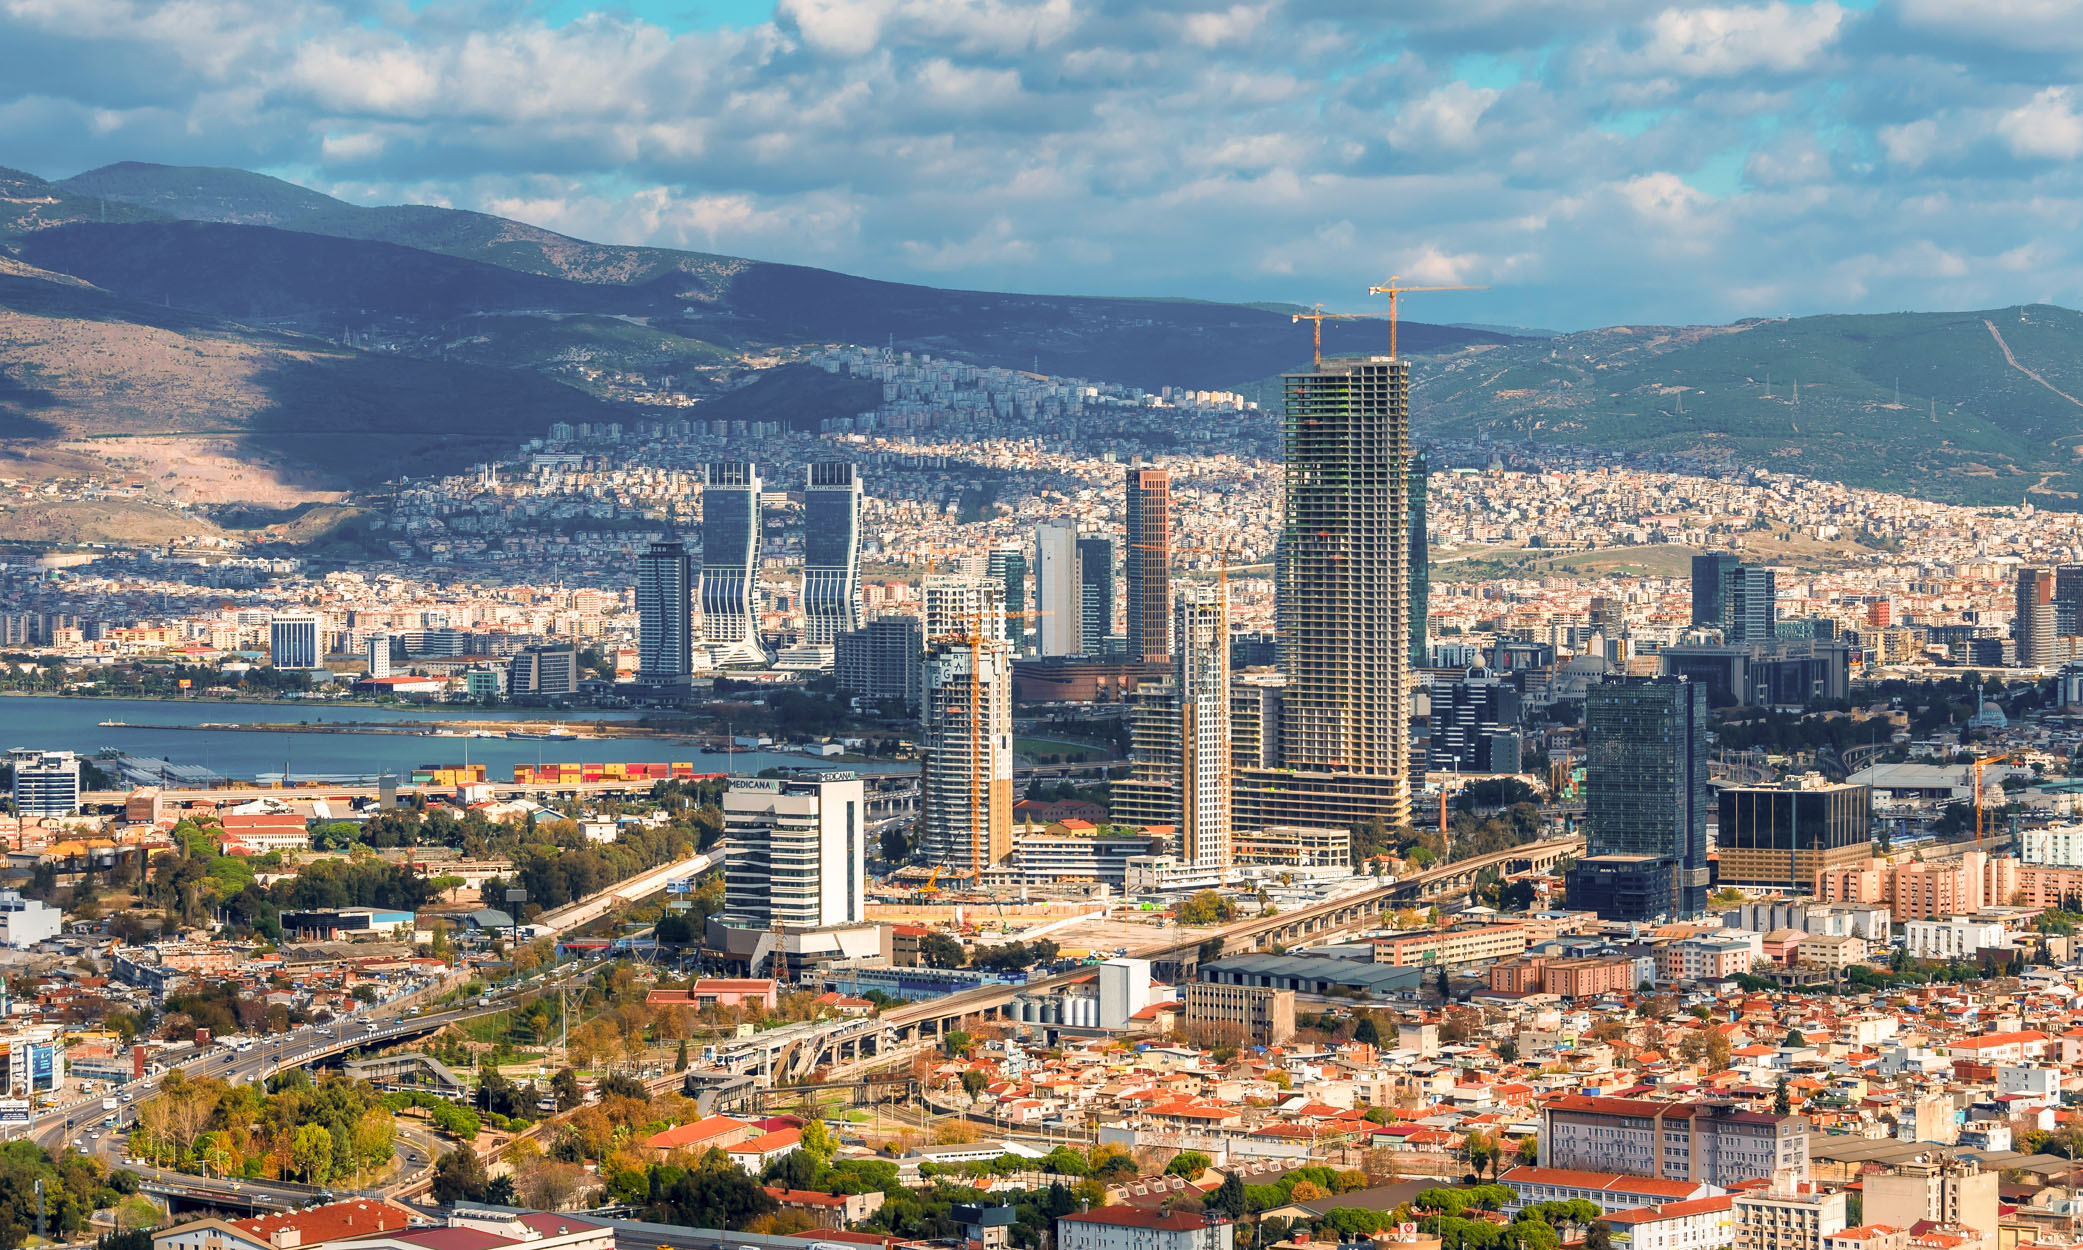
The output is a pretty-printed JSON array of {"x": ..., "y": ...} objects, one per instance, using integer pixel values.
[{"x": 795, "y": 1052}]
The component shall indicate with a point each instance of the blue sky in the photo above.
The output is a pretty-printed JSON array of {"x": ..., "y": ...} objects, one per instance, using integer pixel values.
[{"x": 1592, "y": 161}]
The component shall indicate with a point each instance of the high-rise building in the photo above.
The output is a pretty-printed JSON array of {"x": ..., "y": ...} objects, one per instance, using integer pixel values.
[
  {"x": 1149, "y": 563},
  {"x": 1750, "y": 599},
  {"x": 1095, "y": 593},
  {"x": 665, "y": 616},
  {"x": 1059, "y": 594},
  {"x": 1420, "y": 555},
  {"x": 2068, "y": 600},
  {"x": 1709, "y": 584},
  {"x": 1009, "y": 566},
  {"x": 2033, "y": 626},
  {"x": 379, "y": 655},
  {"x": 294, "y": 640},
  {"x": 1201, "y": 673},
  {"x": 880, "y": 660},
  {"x": 1475, "y": 725},
  {"x": 966, "y": 745},
  {"x": 1645, "y": 786},
  {"x": 1344, "y": 593},
  {"x": 831, "y": 552},
  {"x": 798, "y": 851},
  {"x": 731, "y": 530},
  {"x": 957, "y": 603},
  {"x": 46, "y": 783}
]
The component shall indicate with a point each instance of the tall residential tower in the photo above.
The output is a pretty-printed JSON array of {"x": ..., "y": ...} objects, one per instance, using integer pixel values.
[
  {"x": 1149, "y": 563},
  {"x": 731, "y": 530},
  {"x": 665, "y": 616},
  {"x": 831, "y": 552}
]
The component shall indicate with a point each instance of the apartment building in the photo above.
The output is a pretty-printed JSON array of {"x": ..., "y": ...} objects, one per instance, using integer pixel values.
[
  {"x": 1796, "y": 1217},
  {"x": 1476, "y": 943},
  {"x": 1694, "y": 1141}
]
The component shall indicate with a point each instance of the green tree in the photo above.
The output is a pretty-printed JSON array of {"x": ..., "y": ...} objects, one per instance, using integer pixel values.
[
  {"x": 311, "y": 1153},
  {"x": 1207, "y": 908},
  {"x": 1367, "y": 1031},
  {"x": 1189, "y": 1164},
  {"x": 1228, "y": 1197}
]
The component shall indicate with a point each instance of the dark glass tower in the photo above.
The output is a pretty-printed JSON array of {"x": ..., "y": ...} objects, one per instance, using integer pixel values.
[
  {"x": 1095, "y": 592},
  {"x": 665, "y": 616},
  {"x": 831, "y": 552},
  {"x": 1710, "y": 588},
  {"x": 1645, "y": 784}
]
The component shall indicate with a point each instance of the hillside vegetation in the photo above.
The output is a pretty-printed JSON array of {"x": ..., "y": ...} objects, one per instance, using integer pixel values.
[{"x": 1811, "y": 395}]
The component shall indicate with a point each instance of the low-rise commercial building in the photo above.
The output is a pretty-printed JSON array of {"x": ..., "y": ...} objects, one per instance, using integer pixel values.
[{"x": 1262, "y": 1015}]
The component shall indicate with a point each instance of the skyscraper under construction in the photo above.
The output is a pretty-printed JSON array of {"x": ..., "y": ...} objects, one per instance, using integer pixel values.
[
  {"x": 1344, "y": 587},
  {"x": 966, "y": 745}
]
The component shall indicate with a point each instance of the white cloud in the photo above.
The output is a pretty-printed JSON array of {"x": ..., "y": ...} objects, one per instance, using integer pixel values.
[
  {"x": 2046, "y": 128},
  {"x": 1723, "y": 42},
  {"x": 1444, "y": 118}
]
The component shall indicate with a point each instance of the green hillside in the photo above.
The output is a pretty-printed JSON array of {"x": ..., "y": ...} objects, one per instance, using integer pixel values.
[{"x": 1923, "y": 403}]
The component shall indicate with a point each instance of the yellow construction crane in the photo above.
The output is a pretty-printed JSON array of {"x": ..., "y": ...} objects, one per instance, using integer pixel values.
[
  {"x": 1319, "y": 316},
  {"x": 1979, "y": 765},
  {"x": 932, "y": 885},
  {"x": 1394, "y": 291}
]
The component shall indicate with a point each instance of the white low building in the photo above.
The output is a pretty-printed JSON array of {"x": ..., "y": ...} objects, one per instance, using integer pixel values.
[
  {"x": 24, "y": 921},
  {"x": 1700, "y": 1224},
  {"x": 1143, "y": 1228},
  {"x": 1957, "y": 938}
]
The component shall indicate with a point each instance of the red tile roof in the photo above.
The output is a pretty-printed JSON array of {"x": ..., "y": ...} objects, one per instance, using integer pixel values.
[{"x": 330, "y": 1222}]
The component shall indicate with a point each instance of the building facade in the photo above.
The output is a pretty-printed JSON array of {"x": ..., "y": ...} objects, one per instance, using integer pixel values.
[
  {"x": 295, "y": 640},
  {"x": 831, "y": 552},
  {"x": 1344, "y": 602},
  {"x": 1788, "y": 1217},
  {"x": 797, "y": 851},
  {"x": 880, "y": 660},
  {"x": 1202, "y": 679},
  {"x": 732, "y": 527},
  {"x": 1475, "y": 725},
  {"x": 1684, "y": 1141},
  {"x": 1260, "y": 1015},
  {"x": 2033, "y": 625},
  {"x": 46, "y": 783},
  {"x": 1645, "y": 781},
  {"x": 1781, "y": 837},
  {"x": 1149, "y": 563},
  {"x": 665, "y": 615},
  {"x": 1059, "y": 596},
  {"x": 966, "y": 744}
]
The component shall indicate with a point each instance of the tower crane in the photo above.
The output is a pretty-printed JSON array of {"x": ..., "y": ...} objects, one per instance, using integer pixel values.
[
  {"x": 1395, "y": 290},
  {"x": 1319, "y": 316}
]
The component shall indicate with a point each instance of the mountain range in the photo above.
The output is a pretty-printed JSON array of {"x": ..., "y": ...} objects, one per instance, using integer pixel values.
[{"x": 241, "y": 337}]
